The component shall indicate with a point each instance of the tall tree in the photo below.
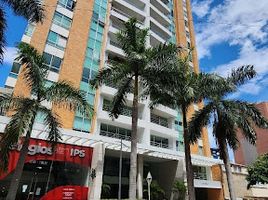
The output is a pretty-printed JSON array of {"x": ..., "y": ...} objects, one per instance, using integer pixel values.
[
  {"x": 33, "y": 10},
  {"x": 141, "y": 69},
  {"x": 184, "y": 88},
  {"x": 25, "y": 110},
  {"x": 227, "y": 116}
]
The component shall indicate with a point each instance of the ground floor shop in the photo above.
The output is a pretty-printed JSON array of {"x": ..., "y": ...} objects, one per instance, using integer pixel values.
[
  {"x": 80, "y": 173},
  {"x": 62, "y": 174}
]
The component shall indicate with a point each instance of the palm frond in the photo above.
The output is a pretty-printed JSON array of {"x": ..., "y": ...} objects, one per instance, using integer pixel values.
[
  {"x": 249, "y": 111},
  {"x": 114, "y": 72},
  {"x": 199, "y": 120},
  {"x": 120, "y": 98},
  {"x": 33, "y": 10},
  {"x": 131, "y": 38},
  {"x": 63, "y": 94},
  {"x": 160, "y": 58},
  {"x": 242, "y": 74},
  {"x": 52, "y": 125},
  {"x": 34, "y": 70},
  {"x": 211, "y": 86},
  {"x": 18, "y": 125},
  {"x": 2, "y": 34}
]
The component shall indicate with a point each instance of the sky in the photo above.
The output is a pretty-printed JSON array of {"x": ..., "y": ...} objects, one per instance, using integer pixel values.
[
  {"x": 229, "y": 34},
  {"x": 232, "y": 33}
]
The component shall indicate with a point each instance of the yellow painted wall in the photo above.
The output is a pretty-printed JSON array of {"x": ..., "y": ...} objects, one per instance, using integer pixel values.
[
  {"x": 72, "y": 66},
  {"x": 38, "y": 40}
]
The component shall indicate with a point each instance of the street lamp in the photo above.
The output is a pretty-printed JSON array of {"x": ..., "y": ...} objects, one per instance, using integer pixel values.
[{"x": 149, "y": 181}]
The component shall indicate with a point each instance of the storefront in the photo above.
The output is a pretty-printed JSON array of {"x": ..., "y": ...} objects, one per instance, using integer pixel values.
[{"x": 47, "y": 174}]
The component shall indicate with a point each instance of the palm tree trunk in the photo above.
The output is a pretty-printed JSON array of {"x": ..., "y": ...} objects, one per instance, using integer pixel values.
[
  {"x": 188, "y": 160},
  {"x": 228, "y": 170},
  {"x": 133, "y": 154},
  {"x": 15, "y": 181}
]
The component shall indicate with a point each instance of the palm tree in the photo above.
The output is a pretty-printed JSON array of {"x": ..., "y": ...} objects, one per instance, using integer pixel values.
[
  {"x": 185, "y": 88},
  {"x": 146, "y": 67},
  {"x": 227, "y": 116},
  {"x": 33, "y": 10},
  {"x": 25, "y": 109}
]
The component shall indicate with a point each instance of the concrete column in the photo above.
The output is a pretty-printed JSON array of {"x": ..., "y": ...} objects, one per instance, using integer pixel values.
[
  {"x": 147, "y": 19},
  {"x": 140, "y": 177},
  {"x": 97, "y": 164}
]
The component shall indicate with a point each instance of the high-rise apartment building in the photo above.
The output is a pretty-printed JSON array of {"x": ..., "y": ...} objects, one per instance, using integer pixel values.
[
  {"x": 247, "y": 153},
  {"x": 76, "y": 38}
]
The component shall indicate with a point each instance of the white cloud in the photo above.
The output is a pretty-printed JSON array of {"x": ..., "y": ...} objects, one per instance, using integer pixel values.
[
  {"x": 201, "y": 8},
  {"x": 233, "y": 21},
  {"x": 242, "y": 23},
  {"x": 10, "y": 55}
]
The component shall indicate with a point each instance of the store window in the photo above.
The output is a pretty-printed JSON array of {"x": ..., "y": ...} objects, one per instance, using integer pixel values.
[{"x": 48, "y": 175}]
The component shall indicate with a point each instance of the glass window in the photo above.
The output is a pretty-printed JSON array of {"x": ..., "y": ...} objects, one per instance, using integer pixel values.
[
  {"x": 53, "y": 62},
  {"x": 15, "y": 68},
  {"x": 82, "y": 124},
  {"x": 56, "y": 40},
  {"x": 62, "y": 20},
  {"x": 68, "y": 4},
  {"x": 29, "y": 30}
]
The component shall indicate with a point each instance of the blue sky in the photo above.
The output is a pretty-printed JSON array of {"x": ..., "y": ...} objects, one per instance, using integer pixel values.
[
  {"x": 15, "y": 28},
  {"x": 232, "y": 33},
  {"x": 229, "y": 33}
]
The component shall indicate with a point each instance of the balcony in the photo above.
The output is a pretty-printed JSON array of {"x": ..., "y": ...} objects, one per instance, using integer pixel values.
[
  {"x": 159, "y": 16},
  {"x": 159, "y": 28},
  {"x": 159, "y": 145},
  {"x": 121, "y": 15},
  {"x": 161, "y": 6},
  {"x": 107, "y": 106},
  {"x": 155, "y": 39},
  {"x": 159, "y": 120},
  {"x": 130, "y": 7},
  {"x": 115, "y": 135},
  {"x": 115, "y": 132},
  {"x": 159, "y": 142},
  {"x": 115, "y": 48}
]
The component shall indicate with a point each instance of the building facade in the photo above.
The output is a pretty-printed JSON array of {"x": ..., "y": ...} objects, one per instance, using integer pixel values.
[
  {"x": 247, "y": 153},
  {"x": 76, "y": 38},
  {"x": 256, "y": 192}
]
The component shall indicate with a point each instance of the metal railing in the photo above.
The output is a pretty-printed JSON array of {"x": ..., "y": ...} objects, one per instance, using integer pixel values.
[
  {"x": 159, "y": 120},
  {"x": 110, "y": 83},
  {"x": 126, "y": 15},
  {"x": 200, "y": 175},
  {"x": 159, "y": 144},
  {"x": 115, "y": 135}
]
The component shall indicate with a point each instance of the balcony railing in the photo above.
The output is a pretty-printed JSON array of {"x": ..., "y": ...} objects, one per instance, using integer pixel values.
[
  {"x": 115, "y": 135},
  {"x": 200, "y": 175},
  {"x": 126, "y": 15},
  {"x": 159, "y": 120},
  {"x": 126, "y": 111},
  {"x": 159, "y": 144},
  {"x": 110, "y": 83}
]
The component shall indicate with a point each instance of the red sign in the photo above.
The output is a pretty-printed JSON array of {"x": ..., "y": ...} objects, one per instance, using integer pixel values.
[{"x": 41, "y": 150}]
